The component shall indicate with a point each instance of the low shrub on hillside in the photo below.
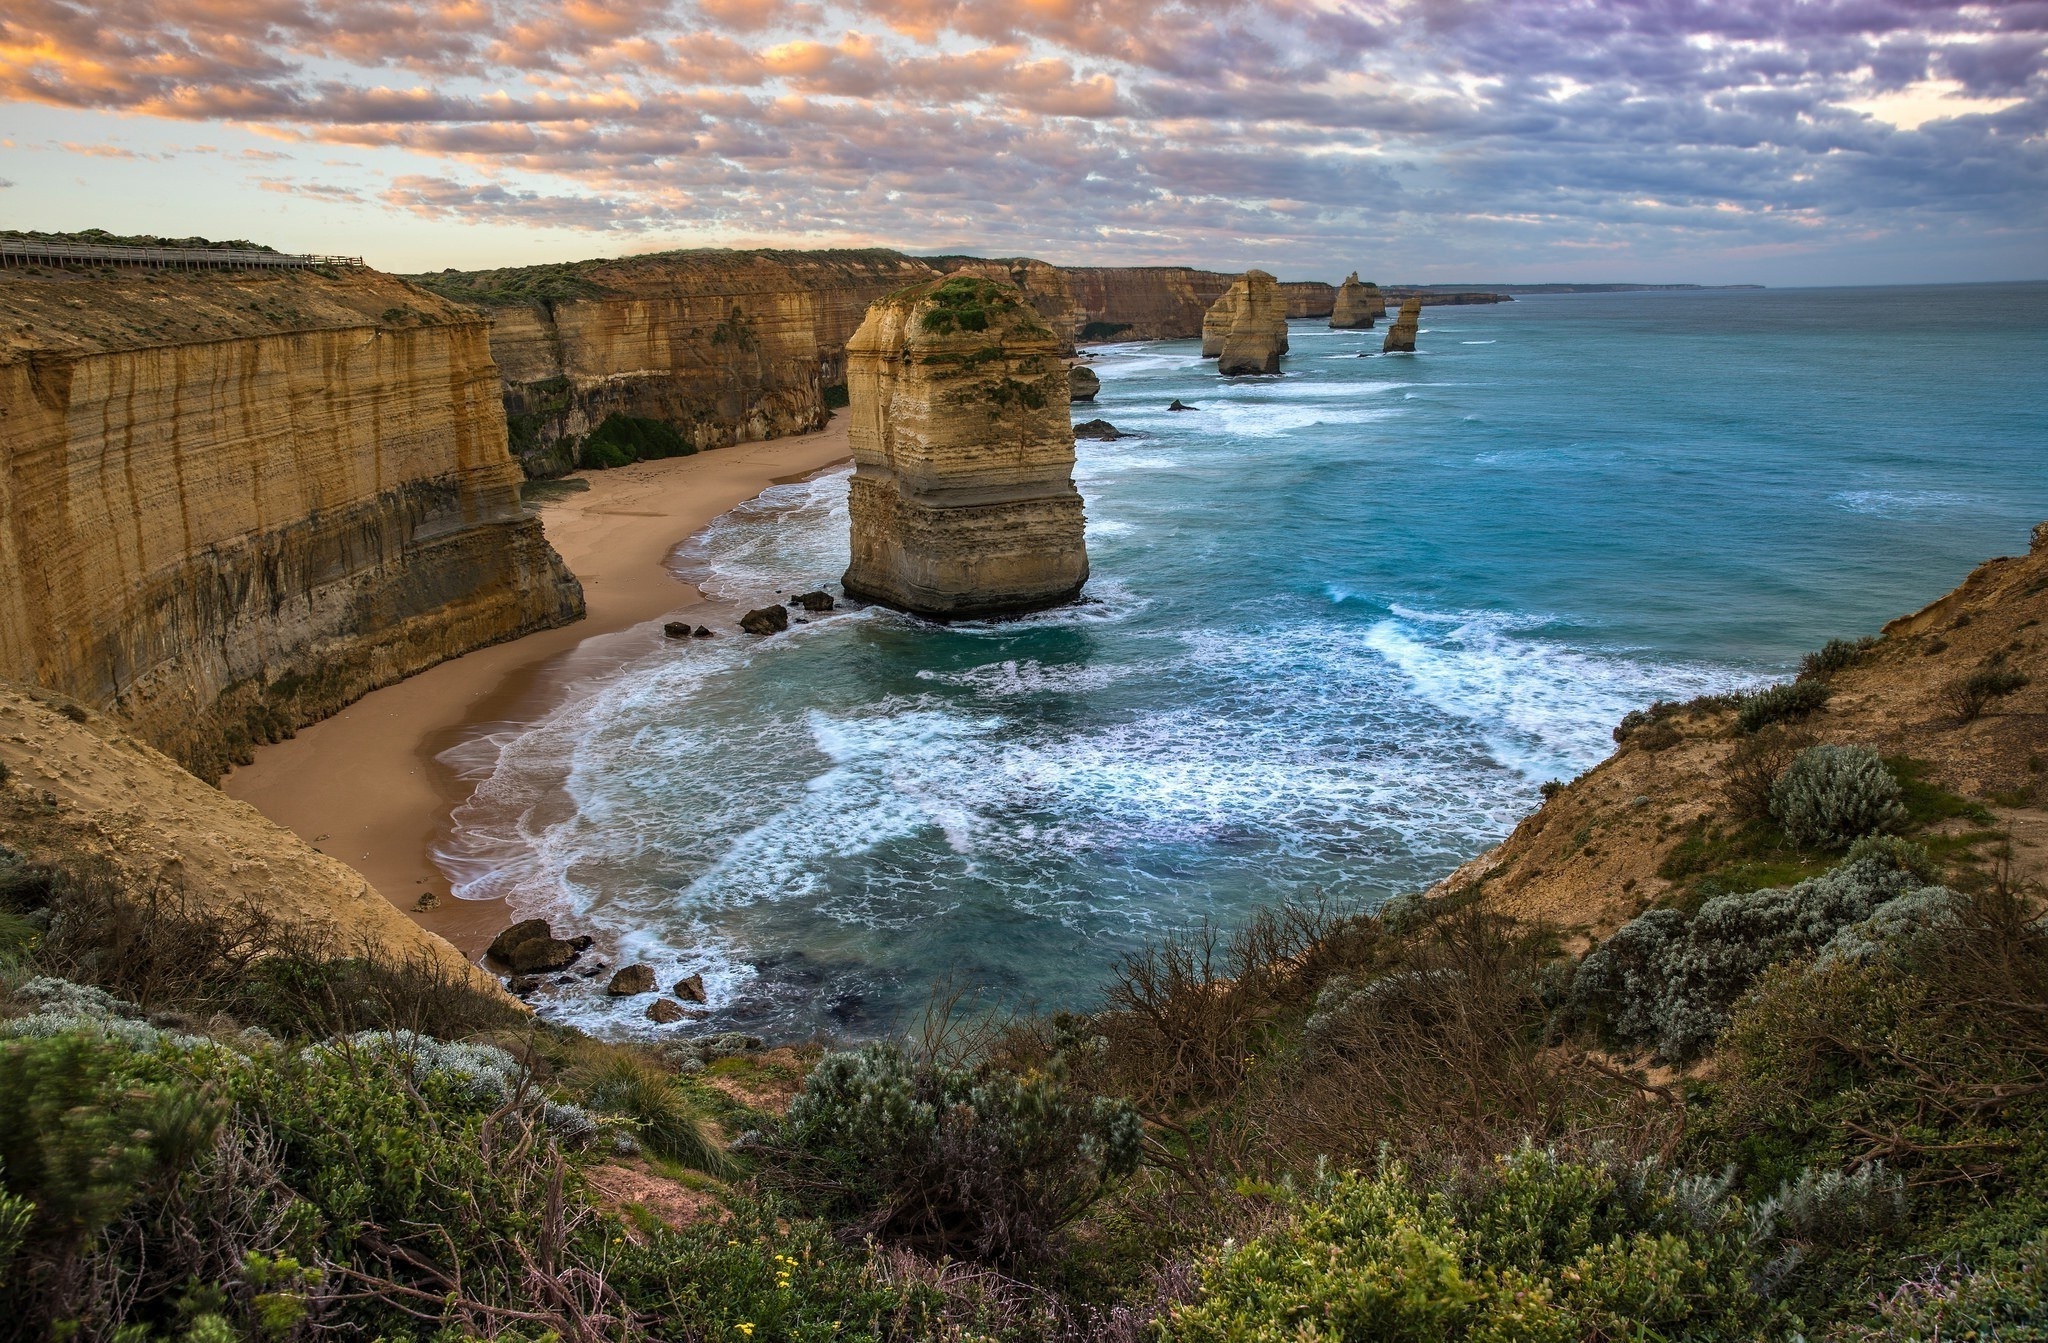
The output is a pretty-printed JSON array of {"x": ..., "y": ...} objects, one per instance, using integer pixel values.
[
  {"x": 1667, "y": 980},
  {"x": 1541, "y": 1246},
  {"x": 960, "y": 1160},
  {"x": 1831, "y": 795},
  {"x": 1967, "y": 697},
  {"x": 1836, "y": 655},
  {"x": 1786, "y": 703}
]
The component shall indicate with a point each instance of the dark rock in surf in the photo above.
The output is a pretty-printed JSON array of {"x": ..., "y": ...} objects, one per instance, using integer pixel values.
[
  {"x": 631, "y": 980},
  {"x": 768, "y": 620},
  {"x": 1101, "y": 430},
  {"x": 814, "y": 601}
]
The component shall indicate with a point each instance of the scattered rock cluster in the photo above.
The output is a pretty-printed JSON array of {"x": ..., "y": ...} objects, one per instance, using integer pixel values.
[{"x": 962, "y": 499}]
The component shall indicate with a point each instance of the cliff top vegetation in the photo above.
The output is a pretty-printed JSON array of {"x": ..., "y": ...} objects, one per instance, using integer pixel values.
[{"x": 1798, "y": 1091}]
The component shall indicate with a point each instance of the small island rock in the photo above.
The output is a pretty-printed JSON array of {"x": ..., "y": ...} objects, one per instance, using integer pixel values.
[
  {"x": 1082, "y": 384},
  {"x": 1100, "y": 430},
  {"x": 767, "y": 620},
  {"x": 1401, "y": 335},
  {"x": 1356, "y": 306}
]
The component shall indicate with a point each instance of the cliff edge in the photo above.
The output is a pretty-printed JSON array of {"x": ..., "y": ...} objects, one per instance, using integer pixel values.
[{"x": 232, "y": 502}]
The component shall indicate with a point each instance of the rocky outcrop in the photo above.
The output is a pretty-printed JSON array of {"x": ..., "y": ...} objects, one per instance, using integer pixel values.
[
  {"x": 1357, "y": 305},
  {"x": 723, "y": 347},
  {"x": 1248, "y": 326},
  {"x": 1445, "y": 298},
  {"x": 1308, "y": 298},
  {"x": 78, "y": 791},
  {"x": 1401, "y": 335},
  {"x": 772, "y": 619},
  {"x": 232, "y": 502},
  {"x": 1082, "y": 383},
  {"x": 962, "y": 498}
]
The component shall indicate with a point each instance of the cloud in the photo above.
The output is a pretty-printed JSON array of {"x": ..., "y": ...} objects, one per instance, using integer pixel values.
[{"x": 1146, "y": 130}]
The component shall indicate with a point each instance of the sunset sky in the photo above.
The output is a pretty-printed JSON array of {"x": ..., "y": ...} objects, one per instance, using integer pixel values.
[{"x": 1832, "y": 142}]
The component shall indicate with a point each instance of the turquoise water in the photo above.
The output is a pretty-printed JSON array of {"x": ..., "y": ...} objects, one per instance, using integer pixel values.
[{"x": 1341, "y": 624}]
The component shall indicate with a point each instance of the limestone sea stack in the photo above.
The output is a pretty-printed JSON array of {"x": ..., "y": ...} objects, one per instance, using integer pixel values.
[
  {"x": 1256, "y": 336},
  {"x": 1083, "y": 382},
  {"x": 1401, "y": 335},
  {"x": 962, "y": 499},
  {"x": 1354, "y": 309}
]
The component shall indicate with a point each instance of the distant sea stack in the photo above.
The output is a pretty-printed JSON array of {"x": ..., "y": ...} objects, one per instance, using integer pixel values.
[
  {"x": 1357, "y": 305},
  {"x": 962, "y": 499},
  {"x": 1250, "y": 326},
  {"x": 1401, "y": 335},
  {"x": 1082, "y": 383}
]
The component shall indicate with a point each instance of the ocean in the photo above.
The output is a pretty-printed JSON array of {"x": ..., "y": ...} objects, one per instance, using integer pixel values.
[{"x": 1341, "y": 625}]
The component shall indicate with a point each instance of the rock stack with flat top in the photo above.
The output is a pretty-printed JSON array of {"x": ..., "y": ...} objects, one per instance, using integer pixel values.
[
  {"x": 1357, "y": 305},
  {"x": 962, "y": 499},
  {"x": 1401, "y": 335},
  {"x": 1247, "y": 326}
]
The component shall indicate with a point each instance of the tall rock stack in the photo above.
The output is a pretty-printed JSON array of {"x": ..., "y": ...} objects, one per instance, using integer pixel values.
[
  {"x": 1401, "y": 335},
  {"x": 1217, "y": 321},
  {"x": 1354, "y": 309},
  {"x": 1256, "y": 332},
  {"x": 962, "y": 499}
]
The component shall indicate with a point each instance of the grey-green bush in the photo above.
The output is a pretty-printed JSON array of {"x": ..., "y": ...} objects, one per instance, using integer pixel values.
[
  {"x": 963, "y": 1161},
  {"x": 1785, "y": 703},
  {"x": 1668, "y": 981},
  {"x": 1832, "y": 795}
]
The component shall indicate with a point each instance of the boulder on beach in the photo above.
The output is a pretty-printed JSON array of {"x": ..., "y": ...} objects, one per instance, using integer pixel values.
[
  {"x": 691, "y": 990},
  {"x": 662, "y": 1012},
  {"x": 631, "y": 980},
  {"x": 1401, "y": 335},
  {"x": 677, "y": 629},
  {"x": 530, "y": 946},
  {"x": 814, "y": 601},
  {"x": 768, "y": 620},
  {"x": 1101, "y": 430},
  {"x": 1082, "y": 384},
  {"x": 701, "y": 632}
]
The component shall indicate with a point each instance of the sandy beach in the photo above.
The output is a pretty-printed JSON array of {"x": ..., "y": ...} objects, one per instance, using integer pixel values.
[{"x": 364, "y": 785}]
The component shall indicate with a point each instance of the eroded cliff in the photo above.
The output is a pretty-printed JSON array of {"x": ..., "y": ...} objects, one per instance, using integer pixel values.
[
  {"x": 1401, "y": 335},
  {"x": 723, "y": 347},
  {"x": 1357, "y": 305},
  {"x": 231, "y": 502},
  {"x": 1247, "y": 329},
  {"x": 962, "y": 500}
]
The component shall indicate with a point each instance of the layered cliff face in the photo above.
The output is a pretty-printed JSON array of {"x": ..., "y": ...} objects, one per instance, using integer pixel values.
[
  {"x": 962, "y": 499},
  {"x": 1401, "y": 335},
  {"x": 724, "y": 347},
  {"x": 232, "y": 502},
  {"x": 1356, "y": 305},
  {"x": 1248, "y": 326},
  {"x": 1142, "y": 302},
  {"x": 1308, "y": 298}
]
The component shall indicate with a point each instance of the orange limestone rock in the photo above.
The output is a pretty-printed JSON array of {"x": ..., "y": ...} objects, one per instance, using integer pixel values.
[
  {"x": 1247, "y": 329},
  {"x": 1401, "y": 335},
  {"x": 962, "y": 499},
  {"x": 1357, "y": 305}
]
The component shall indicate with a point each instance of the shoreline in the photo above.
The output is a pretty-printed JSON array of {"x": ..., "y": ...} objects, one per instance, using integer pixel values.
[{"x": 365, "y": 785}]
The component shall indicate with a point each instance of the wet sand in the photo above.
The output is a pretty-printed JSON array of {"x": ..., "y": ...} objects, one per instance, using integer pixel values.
[{"x": 364, "y": 785}]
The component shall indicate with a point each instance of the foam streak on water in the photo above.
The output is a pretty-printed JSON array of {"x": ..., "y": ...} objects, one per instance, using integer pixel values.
[{"x": 1341, "y": 624}]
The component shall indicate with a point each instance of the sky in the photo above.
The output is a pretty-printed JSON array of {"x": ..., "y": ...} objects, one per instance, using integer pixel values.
[{"x": 1780, "y": 142}]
